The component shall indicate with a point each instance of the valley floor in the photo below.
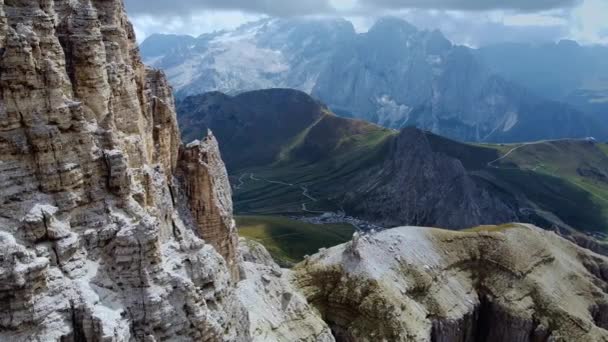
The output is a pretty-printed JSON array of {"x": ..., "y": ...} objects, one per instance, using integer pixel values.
[{"x": 289, "y": 240}]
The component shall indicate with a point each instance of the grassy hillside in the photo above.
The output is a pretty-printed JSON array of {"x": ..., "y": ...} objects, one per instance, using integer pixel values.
[
  {"x": 556, "y": 181},
  {"x": 320, "y": 161},
  {"x": 568, "y": 178},
  {"x": 288, "y": 241},
  {"x": 252, "y": 127},
  {"x": 604, "y": 148}
]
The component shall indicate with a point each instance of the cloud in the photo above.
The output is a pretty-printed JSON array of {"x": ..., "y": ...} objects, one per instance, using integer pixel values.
[
  {"x": 469, "y": 22},
  {"x": 194, "y": 24},
  {"x": 483, "y": 28},
  {"x": 471, "y": 5},
  {"x": 533, "y": 19},
  {"x": 186, "y": 7},
  {"x": 588, "y": 22}
]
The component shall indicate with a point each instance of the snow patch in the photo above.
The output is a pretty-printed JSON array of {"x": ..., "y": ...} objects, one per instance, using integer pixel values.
[
  {"x": 434, "y": 59},
  {"x": 510, "y": 121},
  {"x": 390, "y": 112}
]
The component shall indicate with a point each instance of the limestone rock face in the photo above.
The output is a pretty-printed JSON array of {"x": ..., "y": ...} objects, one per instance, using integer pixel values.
[
  {"x": 97, "y": 241},
  {"x": 206, "y": 185},
  {"x": 515, "y": 283},
  {"x": 277, "y": 311}
]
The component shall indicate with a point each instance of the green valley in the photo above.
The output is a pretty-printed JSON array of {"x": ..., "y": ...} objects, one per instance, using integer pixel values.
[{"x": 288, "y": 240}]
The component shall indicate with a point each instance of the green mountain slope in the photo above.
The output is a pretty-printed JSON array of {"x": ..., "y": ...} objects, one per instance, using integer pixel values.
[
  {"x": 327, "y": 163},
  {"x": 567, "y": 177},
  {"x": 253, "y": 127}
]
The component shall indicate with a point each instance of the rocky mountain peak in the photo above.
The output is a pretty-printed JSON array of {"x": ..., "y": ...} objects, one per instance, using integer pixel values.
[
  {"x": 102, "y": 235},
  {"x": 495, "y": 283},
  {"x": 391, "y": 26}
]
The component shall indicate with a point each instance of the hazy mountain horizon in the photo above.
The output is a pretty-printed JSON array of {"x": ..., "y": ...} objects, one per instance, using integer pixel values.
[
  {"x": 397, "y": 75},
  {"x": 365, "y": 29}
]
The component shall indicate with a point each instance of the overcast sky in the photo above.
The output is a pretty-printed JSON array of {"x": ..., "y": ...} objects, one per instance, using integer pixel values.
[{"x": 470, "y": 22}]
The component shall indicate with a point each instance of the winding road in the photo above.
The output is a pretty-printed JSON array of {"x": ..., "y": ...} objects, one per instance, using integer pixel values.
[
  {"x": 522, "y": 145},
  {"x": 241, "y": 182},
  {"x": 491, "y": 164},
  {"x": 305, "y": 191},
  {"x": 360, "y": 225}
]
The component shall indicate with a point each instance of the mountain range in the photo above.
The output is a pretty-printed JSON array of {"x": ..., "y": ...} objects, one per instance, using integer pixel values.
[
  {"x": 316, "y": 161},
  {"x": 394, "y": 75},
  {"x": 112, "y": 229}
]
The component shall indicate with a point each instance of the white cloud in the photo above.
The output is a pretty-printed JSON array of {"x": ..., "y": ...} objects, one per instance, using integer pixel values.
[
  {"x": 471, "y": 5},
  {"x": 195, "y": 25},
  {"x": 185, "y": 8},
  {"x": 534, "y": 19},
  {"x": 587, "y": 22},
  {"x": 343, "y": 5}
]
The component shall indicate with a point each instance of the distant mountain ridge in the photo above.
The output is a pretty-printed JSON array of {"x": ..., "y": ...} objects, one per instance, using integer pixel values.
[
  {"x": 562, "y": 71},
  {"x": 252, "y": 126},
  {"x": 394, "y": 75},
  {"x": 308, "y": 159},
  {"x": 264, "y": 54}
]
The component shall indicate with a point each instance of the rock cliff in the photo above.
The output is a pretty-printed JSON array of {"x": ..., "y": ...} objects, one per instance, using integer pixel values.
[
  {"x": 277, "y": 309},
  {"x": 509, "y": 283},
  {"x": 420, "y": 186},
  {"x": 99, "y": 241},
  {"x": 206, "y": 185}
]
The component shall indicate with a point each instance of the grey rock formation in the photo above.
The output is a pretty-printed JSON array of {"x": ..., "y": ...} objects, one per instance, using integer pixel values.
[
  {"x": 205, "y": 182},
  {"x": 277, "y": 310},
  {"x": 510, "y": 283},
  {"x": 399, "y": 76},
  {"x": 97, "y": 240}
]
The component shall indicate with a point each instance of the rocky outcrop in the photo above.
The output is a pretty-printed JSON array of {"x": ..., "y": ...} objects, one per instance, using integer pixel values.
[
  {"x": 97, "y": 239},
  {"x": 205, "y": 183},
  {"x": 277, "y": 310},
  {"x": 508, "y": 283}
]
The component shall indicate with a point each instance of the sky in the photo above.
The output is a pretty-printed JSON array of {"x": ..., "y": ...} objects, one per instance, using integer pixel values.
[{"x": 469, "y": 22}]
